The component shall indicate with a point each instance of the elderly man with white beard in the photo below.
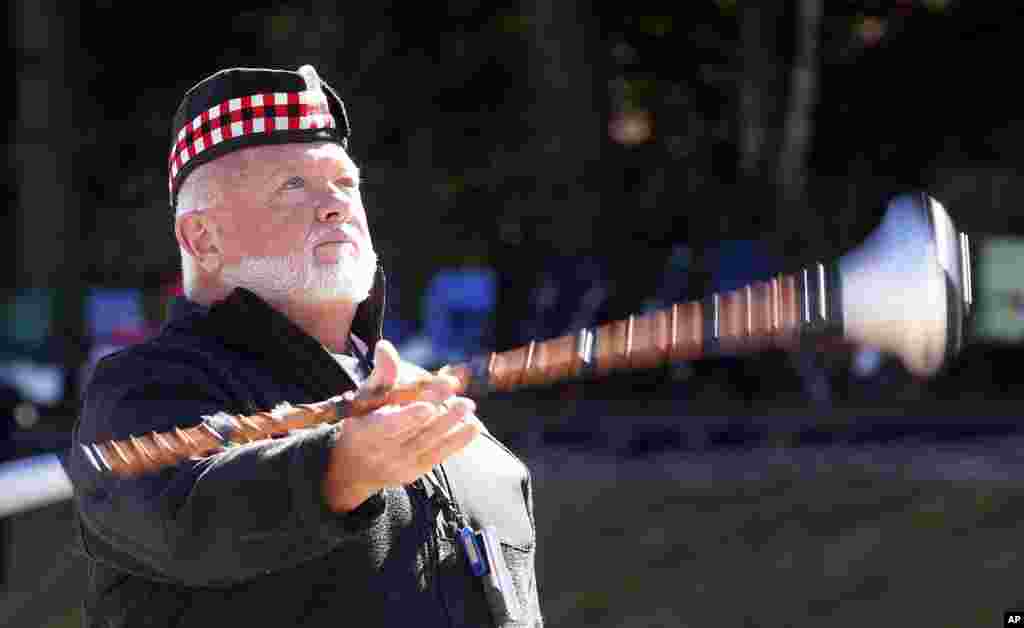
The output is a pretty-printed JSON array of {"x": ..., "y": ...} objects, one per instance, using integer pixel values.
[{"x": 411, "y": 515}]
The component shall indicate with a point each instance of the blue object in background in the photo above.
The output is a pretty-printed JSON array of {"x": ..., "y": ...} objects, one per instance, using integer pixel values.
[
  {"x": 115, "y": 313},
  {"x": 29, "y": 353},
  {"x": 570, "y": 294},
  {"x": 9, "y": 400},
  {"x": 115, "y": 320},
  {"x": 397, "y": 329},
  {"x": 25, "y": 321},
  {"x": 458, "y": 313},
  {"x": 674, "y": 284},
  {"x": 737, "y": 263}
]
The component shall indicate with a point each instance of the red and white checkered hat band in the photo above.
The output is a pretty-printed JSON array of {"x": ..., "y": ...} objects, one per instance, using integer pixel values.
[{"x": 248, "y": 115}]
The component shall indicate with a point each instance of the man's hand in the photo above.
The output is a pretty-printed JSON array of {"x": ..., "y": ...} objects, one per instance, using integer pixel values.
[{"x": 398, "y": 443}]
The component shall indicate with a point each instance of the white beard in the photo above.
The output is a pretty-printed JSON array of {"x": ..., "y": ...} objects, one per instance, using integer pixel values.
[{"x": 296, "y": 278}]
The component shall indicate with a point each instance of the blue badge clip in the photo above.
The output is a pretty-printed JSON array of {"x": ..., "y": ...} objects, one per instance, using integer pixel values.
[{"x": 477, "y": 562}]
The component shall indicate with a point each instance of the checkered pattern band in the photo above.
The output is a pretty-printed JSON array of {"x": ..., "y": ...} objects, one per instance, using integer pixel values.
[{"x": 248, "y": 115}]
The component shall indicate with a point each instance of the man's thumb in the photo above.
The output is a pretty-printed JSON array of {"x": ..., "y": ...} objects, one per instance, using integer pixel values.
[{"x": 385, "y": 368}]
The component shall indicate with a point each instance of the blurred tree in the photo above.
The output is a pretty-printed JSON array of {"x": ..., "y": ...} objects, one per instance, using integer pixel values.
[
  {"x": 564, "y": 120},
  {"x": 803, "y": 93},
  {"x": 778, "y": 91},
  {"x": 762, "y": 73},
  {"x": 49, "y": 240}
]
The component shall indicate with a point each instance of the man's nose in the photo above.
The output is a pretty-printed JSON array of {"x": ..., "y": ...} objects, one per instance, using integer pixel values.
[
  {"x": 332, "y": 209},
  {"x": 329, "y": 214}
]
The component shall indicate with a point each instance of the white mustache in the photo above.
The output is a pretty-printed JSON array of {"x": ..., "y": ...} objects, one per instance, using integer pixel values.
[{"x": 348, "y": 230}]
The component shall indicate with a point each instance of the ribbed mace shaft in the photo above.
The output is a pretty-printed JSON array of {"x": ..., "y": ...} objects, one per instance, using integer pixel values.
[{"x": 769, "y": 314}]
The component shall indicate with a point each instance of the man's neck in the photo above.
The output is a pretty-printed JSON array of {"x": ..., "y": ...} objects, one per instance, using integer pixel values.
[{"x": 329, "y": 322}]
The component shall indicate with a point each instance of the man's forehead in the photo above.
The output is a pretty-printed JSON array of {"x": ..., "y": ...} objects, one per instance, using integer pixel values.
[{"x": 256, "y": 160}]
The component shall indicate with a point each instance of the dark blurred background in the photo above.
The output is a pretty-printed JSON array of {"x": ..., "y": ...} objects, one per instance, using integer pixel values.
[{"x": 535, "y": 167}]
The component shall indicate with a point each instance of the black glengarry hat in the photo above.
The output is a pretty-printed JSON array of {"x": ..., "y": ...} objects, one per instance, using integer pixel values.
[{"x": 241, "y": 107}]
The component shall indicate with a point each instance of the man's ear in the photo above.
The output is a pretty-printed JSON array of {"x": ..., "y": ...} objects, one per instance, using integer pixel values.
[{"x": 196, "y": 236}]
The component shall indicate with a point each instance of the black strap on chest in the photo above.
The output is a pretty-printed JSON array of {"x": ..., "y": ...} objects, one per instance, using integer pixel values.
[{"x": 439, "y": 489}]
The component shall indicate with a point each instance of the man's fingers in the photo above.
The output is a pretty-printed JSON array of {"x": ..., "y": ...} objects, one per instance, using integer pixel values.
[
  {"x": 396, "y": 444},
  {"x": 435, "y": 428},
  {"x": 440, "y": 388},
  {"x": 394, "y": 422},
  {"x": 454, "y": 441}
]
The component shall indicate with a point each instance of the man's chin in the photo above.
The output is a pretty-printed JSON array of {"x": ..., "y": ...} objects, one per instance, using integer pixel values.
[
  {"x": 337, "y": 288},
  {"x": 333, "y": 296}
]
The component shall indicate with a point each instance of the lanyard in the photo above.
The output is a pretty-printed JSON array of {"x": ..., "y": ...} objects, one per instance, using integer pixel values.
[
  {"x": 443, "y": 495},
  {"x": 364, "y": 360},
  {"x": 484, "y": 556}
]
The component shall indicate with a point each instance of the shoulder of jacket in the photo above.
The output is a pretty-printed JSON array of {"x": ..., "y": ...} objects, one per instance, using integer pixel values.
[{"x": 167, "y": 359}]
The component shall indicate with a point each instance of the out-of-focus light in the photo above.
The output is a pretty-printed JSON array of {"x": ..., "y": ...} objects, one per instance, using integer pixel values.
[
  {"x": 871, "y": 30},
  {"x": 1015, "y": 300},
  {"x": 26, "y": 415},
  {"x": 657, "y": 25},
  {"x": 937, "y": 6},
  {"x": 30, "y": 483},
  {"x": 631, "y": 127},
  {"x": 867, "y": 361},
  {"x": 42, "y": 384},
  {"x": 514, "y": 23}
]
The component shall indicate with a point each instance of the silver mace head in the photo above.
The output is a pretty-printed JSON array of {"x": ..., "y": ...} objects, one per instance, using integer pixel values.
[{"x": 907, "y": 289}]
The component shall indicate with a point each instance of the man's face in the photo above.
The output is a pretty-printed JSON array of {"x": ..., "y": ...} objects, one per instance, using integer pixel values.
[{"x": 292, "y": 223}]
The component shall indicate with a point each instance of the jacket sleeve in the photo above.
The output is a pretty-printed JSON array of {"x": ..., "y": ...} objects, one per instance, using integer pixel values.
[{"x": 250, "y": 510}]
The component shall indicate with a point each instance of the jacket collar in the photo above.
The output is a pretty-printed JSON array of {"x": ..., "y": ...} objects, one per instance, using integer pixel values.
[{"x": 245, "y": 323}]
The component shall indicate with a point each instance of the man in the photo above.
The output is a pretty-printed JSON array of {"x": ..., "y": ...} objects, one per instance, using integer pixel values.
[{"x": 375, "y": 521}]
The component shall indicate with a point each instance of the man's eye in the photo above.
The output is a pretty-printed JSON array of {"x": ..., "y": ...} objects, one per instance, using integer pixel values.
[
  {"x": 294, "y": 183},
  {"x": 347, "y": 183}
]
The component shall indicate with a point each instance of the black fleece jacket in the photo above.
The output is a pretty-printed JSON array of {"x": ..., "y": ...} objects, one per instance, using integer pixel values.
[{"x": 245, "y": 535}]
